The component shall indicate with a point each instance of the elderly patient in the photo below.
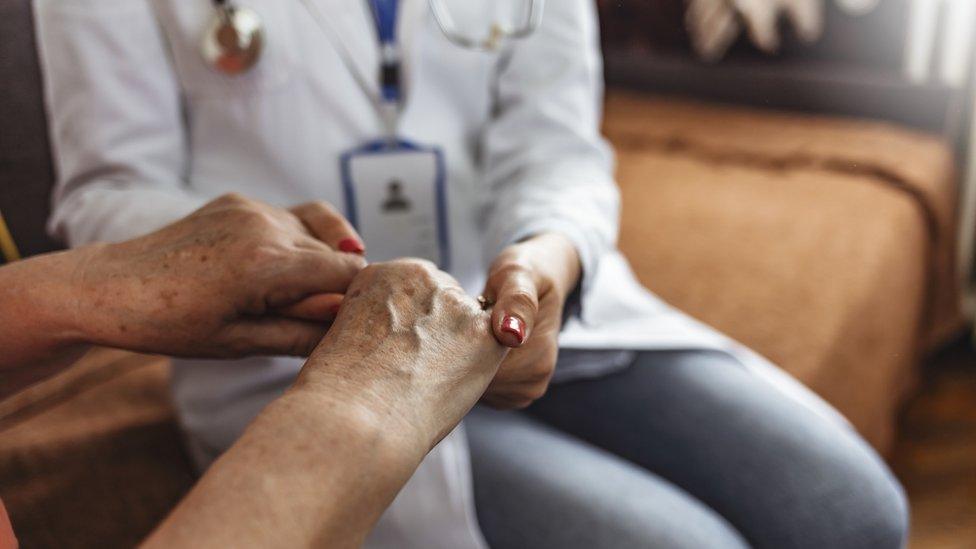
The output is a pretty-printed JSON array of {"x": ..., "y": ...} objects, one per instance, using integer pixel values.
[{"x": 406, "y": 358}]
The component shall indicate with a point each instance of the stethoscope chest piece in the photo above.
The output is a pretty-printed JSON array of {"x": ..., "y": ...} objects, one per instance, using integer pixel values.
[{"x": 233, "y": 42}]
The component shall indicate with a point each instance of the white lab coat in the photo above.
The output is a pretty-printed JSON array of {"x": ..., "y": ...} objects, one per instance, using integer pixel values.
[{"x": 144, "y": 132}]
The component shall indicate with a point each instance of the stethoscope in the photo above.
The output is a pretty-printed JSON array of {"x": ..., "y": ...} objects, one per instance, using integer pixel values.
[{"x": 233, "y": 42}]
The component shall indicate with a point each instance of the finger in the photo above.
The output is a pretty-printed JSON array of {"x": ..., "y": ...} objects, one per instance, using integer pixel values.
[
  {"x": 513, "y": 399},
  {"x": 273, "y": 336},
  {"x": 513, "y": 292},
  {"x": 307, "y": 272},
  {"x": 316, "y": 308},
  {"x": 502, "y": 403},
  {"x": 329, "y": 226}
]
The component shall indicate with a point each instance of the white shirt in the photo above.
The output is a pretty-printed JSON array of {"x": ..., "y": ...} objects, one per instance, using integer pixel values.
[{"x": 144, "y": 132}]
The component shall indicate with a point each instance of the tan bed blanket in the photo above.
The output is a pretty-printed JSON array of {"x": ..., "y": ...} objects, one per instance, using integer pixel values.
[
  {"x": 825, "y": 244},
  {"x": 917, "y": 164}
]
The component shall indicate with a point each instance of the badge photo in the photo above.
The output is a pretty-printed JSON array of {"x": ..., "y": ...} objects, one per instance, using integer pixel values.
[{"x": 395, "y": 196}]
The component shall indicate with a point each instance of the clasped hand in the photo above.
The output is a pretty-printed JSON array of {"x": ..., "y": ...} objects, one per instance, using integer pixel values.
[{"x": 239, "y": 277}]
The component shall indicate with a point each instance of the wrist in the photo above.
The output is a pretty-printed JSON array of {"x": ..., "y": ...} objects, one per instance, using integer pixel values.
[
  {"x": 38, "y": 298},
  {"x": 371, "y": 400},
  {"x": 86, "y": 310},
  {"x": 46, "y": 291},
  {"x": 356, "y": 420}
]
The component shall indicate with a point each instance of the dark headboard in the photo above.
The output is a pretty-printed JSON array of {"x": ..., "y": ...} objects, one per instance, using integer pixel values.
[{"x": 856, "y": 69}]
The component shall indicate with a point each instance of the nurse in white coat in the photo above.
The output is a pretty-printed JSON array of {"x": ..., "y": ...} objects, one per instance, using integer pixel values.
[{"x": 656, "y": 430}]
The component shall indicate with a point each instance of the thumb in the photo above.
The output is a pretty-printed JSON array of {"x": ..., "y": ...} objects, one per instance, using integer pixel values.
[{"x": 516, "y": 302}]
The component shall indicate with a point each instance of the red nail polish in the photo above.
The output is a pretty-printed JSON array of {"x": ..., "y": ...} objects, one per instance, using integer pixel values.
[
  {"x": 352, "y": 246},
  {"x": 514, "y": 326}
]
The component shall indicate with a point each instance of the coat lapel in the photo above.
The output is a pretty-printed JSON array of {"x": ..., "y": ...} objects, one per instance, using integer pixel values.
[{"x": 351, "y": 31}]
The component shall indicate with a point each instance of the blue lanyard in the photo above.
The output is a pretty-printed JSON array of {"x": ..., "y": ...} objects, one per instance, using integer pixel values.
[{"x": 385, "y": 15}]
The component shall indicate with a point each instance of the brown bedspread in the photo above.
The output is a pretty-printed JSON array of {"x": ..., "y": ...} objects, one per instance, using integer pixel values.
[
  {"x": 914, "y": 163},
  {"x": 825, "y": 244},
  {"x": 92, "y": 457}
]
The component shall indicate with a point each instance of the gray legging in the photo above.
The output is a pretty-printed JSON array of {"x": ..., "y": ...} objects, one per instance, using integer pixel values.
[{"x": 682, "y": 449}]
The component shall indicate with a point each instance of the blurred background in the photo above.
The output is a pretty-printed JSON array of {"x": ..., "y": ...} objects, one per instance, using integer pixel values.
[
  {"x": 800, "y": 174},
  {"x": 817, "y": 178}
]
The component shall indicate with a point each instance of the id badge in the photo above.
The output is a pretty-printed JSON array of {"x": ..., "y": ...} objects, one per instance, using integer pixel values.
[{"x": 396, "y": 198}]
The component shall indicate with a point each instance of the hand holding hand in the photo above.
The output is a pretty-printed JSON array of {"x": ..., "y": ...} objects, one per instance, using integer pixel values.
[
  {"x": 236, "y": 277},
  {"x": 408, "y": 344},
  {"x": 528, "y": 284}
]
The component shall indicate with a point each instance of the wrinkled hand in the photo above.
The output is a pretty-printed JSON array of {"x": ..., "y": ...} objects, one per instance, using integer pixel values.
[
  {"x": 528, "y": 284},
  {"x": 408, "y": 343},
  {"x": 714, "y": 25},
  {"x": 236, "y": 277}
]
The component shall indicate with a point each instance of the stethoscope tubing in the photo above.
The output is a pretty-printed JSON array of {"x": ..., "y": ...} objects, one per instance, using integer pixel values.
[
  {"x": 446, "y": 23},
  {"x": 444, "y": 20}
]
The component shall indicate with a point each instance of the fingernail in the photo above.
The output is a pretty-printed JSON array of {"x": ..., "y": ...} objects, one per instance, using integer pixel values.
[
  {"x": 334, "y": 309},
  {"x": 514, "y": 326},
  {"x": 351, "y": 245}
]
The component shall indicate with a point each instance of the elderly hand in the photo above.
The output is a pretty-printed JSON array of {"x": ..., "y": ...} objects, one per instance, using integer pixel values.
[
  {"x": 528, "y": 284},
  {"x": 409, "y": 345},
  {"x": 236, "y": 277},
  {"x": 714, "y": 25}
]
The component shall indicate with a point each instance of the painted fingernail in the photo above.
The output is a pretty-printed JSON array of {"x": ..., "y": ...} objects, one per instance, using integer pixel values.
[
  {"x": 351, "y": 245},
  {"x": 334, "y": 309},
  {"x": 514, "y": 326}
]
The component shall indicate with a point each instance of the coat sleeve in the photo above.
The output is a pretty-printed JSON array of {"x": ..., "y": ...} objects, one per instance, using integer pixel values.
[
  {"x": 546, "y": 163},
  {"x": 115, "y": 119}
]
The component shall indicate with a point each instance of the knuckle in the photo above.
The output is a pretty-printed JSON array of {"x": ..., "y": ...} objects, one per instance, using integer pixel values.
[
  {"x": 231, "y": 199},
  {"x": 523, "y": 298},
  {"x": 372, "y": 269},
  {"x": 318, "y": 211},
  {"x": 246, "y": 215},
  {"x": 461, "y": 304},
  {"x": 324, "y": 208},
  {"x": 508, "y": 269},
  {"x": 375, "y": 273},
  {"x": 419, "y": 269},
  {"x": 260, "y": 256},
  {"x": 421, "y": 265}
]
